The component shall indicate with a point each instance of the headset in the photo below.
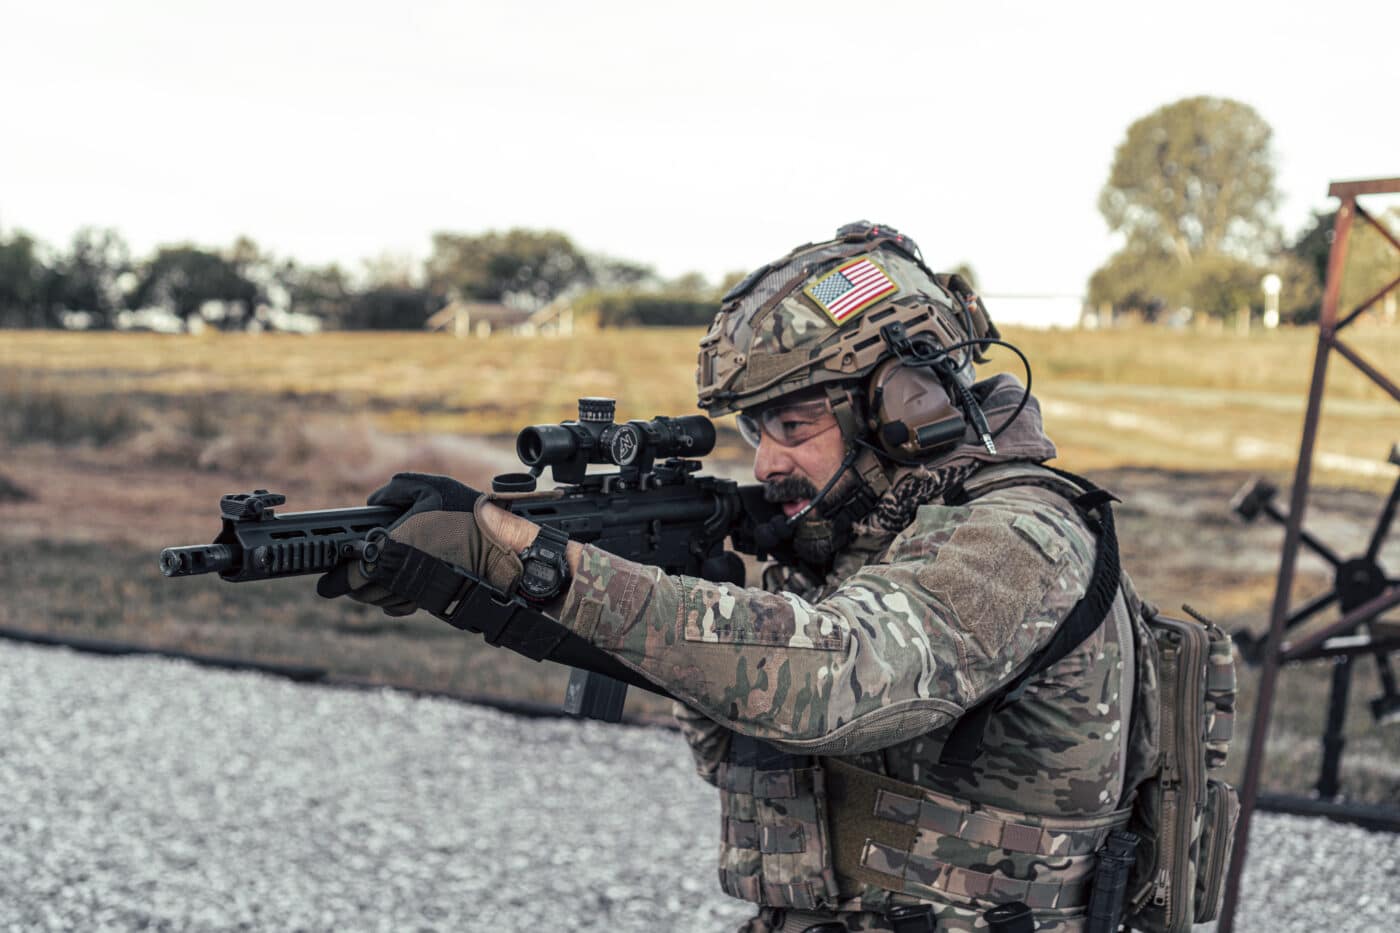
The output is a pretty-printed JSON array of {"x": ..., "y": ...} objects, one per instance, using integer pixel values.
[
  {"x": 918, "y": 402},
  {"x": 917, "y": 405}
]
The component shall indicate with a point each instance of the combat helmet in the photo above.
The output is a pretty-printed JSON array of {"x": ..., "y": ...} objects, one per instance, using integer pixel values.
[
  {"x": 816, "y": 316},
  {"x": 846, "y": 318}
]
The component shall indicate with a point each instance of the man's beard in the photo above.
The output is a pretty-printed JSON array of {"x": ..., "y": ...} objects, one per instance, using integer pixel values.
[{"x": 815, "y": 538}]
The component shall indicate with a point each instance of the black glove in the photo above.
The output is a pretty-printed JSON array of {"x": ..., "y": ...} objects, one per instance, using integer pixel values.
[
  {"x": 424, "y": 492},
  {"x": 439, "y": 520}
]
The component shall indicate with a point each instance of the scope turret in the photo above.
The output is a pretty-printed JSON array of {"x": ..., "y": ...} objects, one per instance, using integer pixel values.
[{"x": 571, "y": 446}]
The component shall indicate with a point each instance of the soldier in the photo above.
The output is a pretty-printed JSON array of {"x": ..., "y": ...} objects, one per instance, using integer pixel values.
[{"x": 854, "y": 713}]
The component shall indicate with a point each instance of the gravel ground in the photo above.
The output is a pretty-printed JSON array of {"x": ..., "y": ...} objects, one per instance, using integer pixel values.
[{"x": 139, "y": 793}]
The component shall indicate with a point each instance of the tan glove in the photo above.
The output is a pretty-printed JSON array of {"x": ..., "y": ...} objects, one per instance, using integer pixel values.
[{"x": 441, "y": 519}]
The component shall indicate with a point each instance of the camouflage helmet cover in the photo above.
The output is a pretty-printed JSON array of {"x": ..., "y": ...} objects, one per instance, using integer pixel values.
[{"x": 773, "y": 336}]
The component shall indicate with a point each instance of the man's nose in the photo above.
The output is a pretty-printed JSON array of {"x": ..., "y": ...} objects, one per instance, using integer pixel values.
[{"x": 772, "y": 460}]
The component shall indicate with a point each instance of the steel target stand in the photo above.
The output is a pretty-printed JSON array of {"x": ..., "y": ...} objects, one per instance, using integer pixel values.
[{"x": 1362, "y": 590}]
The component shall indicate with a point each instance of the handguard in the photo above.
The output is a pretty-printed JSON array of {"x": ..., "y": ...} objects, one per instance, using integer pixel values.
[{"x": 257, "y": 544}]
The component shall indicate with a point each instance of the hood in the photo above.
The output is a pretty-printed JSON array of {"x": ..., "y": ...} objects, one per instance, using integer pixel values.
[{"x": 1023, "y": 439}]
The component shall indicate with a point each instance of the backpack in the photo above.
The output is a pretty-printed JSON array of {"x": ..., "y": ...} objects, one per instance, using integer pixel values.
[{"x": 1182, "y": 721}]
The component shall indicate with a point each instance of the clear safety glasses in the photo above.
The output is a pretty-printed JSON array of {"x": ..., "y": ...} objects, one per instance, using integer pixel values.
[{"x": 787, "y": 423}]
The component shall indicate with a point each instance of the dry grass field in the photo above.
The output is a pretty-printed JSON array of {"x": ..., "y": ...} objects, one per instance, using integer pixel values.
[
  {"x": 1136, "y": 396},
  {"x": 112, "y": 445}
]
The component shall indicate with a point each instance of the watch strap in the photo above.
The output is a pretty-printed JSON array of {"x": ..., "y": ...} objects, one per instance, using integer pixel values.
[
  {"x": 548, "y": 548},
  {"x": 552, "y": 536}
]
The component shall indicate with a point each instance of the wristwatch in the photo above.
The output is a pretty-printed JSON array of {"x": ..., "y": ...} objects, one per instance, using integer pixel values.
[{"x": 546, "y": 570}]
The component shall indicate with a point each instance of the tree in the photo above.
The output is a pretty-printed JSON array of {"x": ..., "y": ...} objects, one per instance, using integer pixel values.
[
  {"x": 93, "y": 276},
  {"x": 1300, "y": 290},
  {"x": 1142, "y": 279},
  {"x": 390, "y": 307},
  {"x": 23, "y": 279},
  {"x": 1192, "y": 192},
  {"x": 611, "y": 274},
  {"x": 1195, "y": 178},
  {"x": 630, "y": 309},
  {"x": 393, "y": 269},
  {"x": 1372, "y": 263},
  {"x": 1314, "y": 245},
  {"x": 322, "y": 291},
  {"x": 1222, "y": 285},
  {"x": 687, "y": 301},
  {"x": 523, "y": 267},
  {"x": 265, "y": 272},
  {"x": 184, "y": 278}
]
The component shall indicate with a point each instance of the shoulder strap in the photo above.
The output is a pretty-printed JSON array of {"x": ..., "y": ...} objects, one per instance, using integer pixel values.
[{"x": 964, "y": 742}]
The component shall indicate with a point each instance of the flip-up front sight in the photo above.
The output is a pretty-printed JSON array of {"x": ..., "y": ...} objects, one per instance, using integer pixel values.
[{"x": 595, "y": 438}]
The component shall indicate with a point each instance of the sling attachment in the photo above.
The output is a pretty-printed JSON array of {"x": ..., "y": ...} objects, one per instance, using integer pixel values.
[
  {"x": 1014, "y": 917},
  {"x": 467, "y": 602},
  {"x": 964, "y": 741},
  {"x": 915, "y": 918}
]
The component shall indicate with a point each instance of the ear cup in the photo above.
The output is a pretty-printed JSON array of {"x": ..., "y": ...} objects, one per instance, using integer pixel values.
[{"x": 912, "y": 414}]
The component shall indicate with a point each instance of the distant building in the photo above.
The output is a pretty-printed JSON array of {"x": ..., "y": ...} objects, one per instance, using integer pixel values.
[
  {"x": 482, "y": 319},
  {"x": 555, "y": 319}
]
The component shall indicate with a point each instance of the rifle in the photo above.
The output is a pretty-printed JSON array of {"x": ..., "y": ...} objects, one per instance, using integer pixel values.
[{"x": 664, "y": 514}]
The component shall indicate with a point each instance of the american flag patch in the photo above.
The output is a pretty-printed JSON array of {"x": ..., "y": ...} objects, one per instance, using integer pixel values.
[{"x": 850, "y": 289}]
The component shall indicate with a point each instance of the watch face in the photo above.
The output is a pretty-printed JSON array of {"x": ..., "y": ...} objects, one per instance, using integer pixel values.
[
  {"x": 544, "y": 569},
  {"x": 540, "y": 580}
]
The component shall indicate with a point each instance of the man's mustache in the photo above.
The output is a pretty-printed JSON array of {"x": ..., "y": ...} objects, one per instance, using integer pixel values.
[{"x": 789, "y": 489}]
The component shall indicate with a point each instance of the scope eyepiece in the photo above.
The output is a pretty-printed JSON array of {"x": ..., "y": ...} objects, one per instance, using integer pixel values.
[{"x": 545, "y": 445}]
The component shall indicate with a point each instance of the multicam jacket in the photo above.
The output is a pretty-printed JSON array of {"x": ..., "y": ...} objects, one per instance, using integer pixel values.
[{"x": 869, "y": 669}]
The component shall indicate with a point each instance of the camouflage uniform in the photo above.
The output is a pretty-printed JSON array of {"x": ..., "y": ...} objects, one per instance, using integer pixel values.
[{"x": 869, "y": 668}]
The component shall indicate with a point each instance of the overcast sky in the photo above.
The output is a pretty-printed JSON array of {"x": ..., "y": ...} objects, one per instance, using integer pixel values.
[{"x": 709, "y": 136}]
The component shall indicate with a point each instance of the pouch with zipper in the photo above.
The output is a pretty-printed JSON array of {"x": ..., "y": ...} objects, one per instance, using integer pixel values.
[{"x": 1185, "y": 818}]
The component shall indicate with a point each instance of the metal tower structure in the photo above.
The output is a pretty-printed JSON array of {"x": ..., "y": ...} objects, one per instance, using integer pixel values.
[{"x": 1362, "y": 590}]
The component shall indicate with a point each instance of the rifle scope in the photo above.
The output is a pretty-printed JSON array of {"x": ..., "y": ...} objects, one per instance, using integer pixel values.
[{"x": 595, "y": 438}]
